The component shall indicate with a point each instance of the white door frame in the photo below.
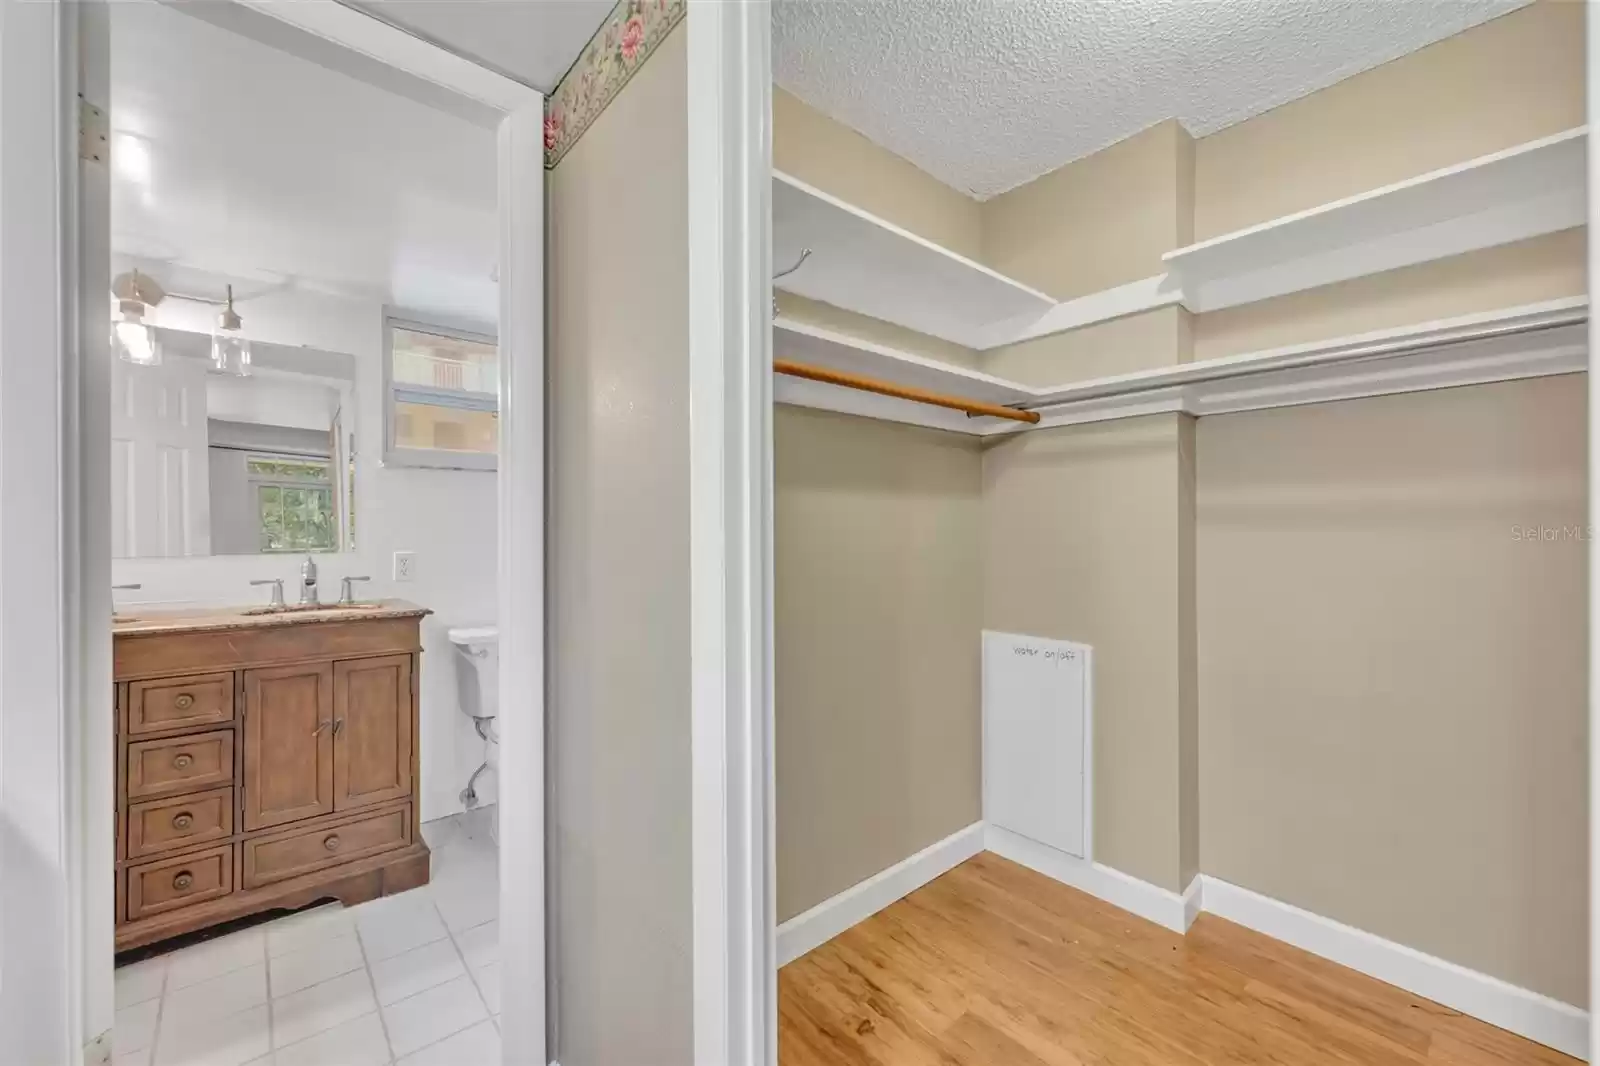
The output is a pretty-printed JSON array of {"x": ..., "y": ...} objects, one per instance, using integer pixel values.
[
  {"x": 730, "y": 522},
  {"x": 56, "y": 1000},
  {"x": 1592, "y": 65}
]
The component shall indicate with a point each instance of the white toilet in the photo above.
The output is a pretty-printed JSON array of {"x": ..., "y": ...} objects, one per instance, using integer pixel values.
[{"x": 477, "y": 659}]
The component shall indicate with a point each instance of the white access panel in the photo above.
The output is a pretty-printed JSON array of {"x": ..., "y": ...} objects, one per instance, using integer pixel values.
[{"x": 1037, "y": 739}]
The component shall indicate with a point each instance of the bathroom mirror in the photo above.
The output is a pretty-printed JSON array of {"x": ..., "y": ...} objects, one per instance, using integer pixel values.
[{"x": 209, "y": 463}]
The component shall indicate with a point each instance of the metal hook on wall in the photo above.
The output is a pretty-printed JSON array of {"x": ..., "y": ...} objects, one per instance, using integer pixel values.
[{"x": 805, "y": 253}]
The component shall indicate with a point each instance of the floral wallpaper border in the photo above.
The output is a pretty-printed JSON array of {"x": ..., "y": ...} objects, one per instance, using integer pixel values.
[{"x": 618, "y": 48}]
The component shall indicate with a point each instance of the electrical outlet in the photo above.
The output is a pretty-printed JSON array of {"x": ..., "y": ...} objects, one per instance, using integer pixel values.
[{"x": 405, "y": 566}]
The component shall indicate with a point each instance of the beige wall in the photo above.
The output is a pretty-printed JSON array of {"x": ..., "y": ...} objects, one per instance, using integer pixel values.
[
  {"x": 1099, "y": 222},
  {"x": 830, "y": 156},
  {"x": 1393, "y": 685},
  {"x": 1495, "y": 86},
  {"x": 618, "y": 351},
  {"x": 876, "y": 631},
  {"x": 1082, "y": 541},
  {"x": 1139, "y": 342}
]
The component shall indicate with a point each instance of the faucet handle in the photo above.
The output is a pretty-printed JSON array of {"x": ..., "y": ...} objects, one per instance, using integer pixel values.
[
  {"x": 347, "y": 592},
  {"x": 277, "y": 589},
  {"x": 126, "y": 588}
]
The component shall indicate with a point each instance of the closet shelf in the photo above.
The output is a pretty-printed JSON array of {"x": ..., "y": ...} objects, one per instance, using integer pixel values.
[
  {"x": 1535, "y": 340},
  {"x": 805, "y": 343},
  {"x": 1522, "y": 192},
  {"x": 872, "y": 267},
  {"x": 864, "y": 264}
]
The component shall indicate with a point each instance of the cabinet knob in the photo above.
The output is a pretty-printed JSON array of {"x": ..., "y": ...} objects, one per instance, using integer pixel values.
[
  {"x": 183, "y": 820},
  {"x": 183, "y": 881},
  {"x": 332, "y": 843},
  {"x": 182, "y": 761},
  {"x": 183, "y": 702}
]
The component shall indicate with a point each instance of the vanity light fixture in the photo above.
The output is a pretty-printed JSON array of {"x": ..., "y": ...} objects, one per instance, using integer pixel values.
[
  {"x": 131, "y": 339},
  {"x": 230, "y": 350}
]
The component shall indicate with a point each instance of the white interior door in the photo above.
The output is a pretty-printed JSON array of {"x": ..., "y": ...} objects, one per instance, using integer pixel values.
[{"x": 160, "y": 478}]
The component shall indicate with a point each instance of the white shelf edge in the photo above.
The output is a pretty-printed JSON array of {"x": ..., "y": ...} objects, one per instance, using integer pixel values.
[
  {"x": 1179, "y": 254},
  {"x": 1469, "y": 349},
  {"x": 1525, "y": 191},
  {"x": 1107, "y": 305},
  {"x": 899, "y": 231},
  {"x": 891, "y": 359}
]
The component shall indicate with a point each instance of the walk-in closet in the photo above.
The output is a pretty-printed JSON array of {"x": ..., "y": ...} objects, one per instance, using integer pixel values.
[{"x": 1180, "y": 533}]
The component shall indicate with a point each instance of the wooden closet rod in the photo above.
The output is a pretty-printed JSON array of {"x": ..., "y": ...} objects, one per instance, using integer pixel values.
[{"x": 904, "y": 392}]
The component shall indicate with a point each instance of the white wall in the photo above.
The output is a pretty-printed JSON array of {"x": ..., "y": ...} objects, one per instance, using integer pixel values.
[
  {"x": 270, "y": 402},
  {"x": 446, "y": 516}
]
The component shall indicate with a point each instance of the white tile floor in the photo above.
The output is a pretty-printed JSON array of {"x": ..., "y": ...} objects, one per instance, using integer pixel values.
[{"x": 412, "y": 979}]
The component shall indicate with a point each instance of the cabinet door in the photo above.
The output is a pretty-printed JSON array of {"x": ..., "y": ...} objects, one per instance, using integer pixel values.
[
  {"x": 288, "y": 744},
  {"x": 372, "y": 744}
]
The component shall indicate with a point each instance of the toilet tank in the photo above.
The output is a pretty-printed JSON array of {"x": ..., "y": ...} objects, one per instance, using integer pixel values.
[{"x": 477, "y": 659}]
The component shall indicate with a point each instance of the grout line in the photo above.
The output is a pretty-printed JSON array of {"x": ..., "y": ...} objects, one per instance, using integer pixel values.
[
  {"x": 366, "y": 961},
  {"x": 161, "y": 1007},
  {"x": 272, "y": 1013},
  {"x": 471, "y": 981}
]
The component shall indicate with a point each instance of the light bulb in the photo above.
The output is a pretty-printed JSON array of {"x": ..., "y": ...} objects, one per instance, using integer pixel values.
[
  {"x": 230, "y": 354},
  {"x": 132, "y": 342}
]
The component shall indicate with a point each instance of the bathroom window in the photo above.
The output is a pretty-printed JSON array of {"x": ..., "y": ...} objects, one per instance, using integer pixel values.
[
  {"x": 441, "y": 392},
  {"x": 295, "y": 506}
]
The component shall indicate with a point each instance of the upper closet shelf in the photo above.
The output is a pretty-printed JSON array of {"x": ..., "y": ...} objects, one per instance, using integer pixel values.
[
  {"x": 861, "y": 263},
  {"x": 1522, "y": 192}
]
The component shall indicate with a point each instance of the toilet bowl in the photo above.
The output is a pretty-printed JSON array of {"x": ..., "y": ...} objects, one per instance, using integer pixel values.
[{"x": 477, "y": 660}]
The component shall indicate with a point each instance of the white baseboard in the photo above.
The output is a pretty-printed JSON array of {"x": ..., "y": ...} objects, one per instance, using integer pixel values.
[
  {"x": 834, "y": 915},
  {"x": 1517, "y": 1010},
  {"x": 1193, "y": 900},
  {"x": 1148, "y": 901}
]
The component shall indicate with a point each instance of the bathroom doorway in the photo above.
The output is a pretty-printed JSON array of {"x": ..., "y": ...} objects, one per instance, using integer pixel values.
[{"x": 294, "y": 399}]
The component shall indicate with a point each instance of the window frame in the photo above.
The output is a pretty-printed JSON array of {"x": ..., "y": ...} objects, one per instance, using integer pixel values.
[
  {"x": 398, "y": 392},
  {"x": 257, "y": 482}
]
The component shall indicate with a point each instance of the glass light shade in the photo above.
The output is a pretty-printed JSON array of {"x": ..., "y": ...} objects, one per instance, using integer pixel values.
[
  {"x": 132, "y": 342},
  {"x": 230, "y": 353}
]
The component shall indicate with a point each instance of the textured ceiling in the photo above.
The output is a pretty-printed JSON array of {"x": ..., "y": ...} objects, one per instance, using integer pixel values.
[{"x": 988, "y": 94}]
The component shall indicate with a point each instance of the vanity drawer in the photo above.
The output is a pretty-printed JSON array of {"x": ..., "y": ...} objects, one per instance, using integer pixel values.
[
  {"x": 161, "y": 825},
  {"x": 178, "y": 702},
  {"x": 286, "y": 855},
  {"x": 167, "y": 884},
  {"x": 200, "y": 760}
]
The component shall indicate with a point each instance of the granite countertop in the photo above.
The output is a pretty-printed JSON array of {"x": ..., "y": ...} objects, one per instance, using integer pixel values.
[{"x": 139, "y": 622}]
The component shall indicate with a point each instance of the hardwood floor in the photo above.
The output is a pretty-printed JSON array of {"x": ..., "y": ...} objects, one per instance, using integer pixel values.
[{"x": 994, "y": 965}]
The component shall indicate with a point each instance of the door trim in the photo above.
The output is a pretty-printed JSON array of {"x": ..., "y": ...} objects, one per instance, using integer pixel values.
[{"x": 730, "y": 527}]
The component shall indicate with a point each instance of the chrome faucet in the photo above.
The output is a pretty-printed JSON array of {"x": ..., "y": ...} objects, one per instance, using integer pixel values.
[
  {"x": 277, "y": 590},
  {"x": 308, "y": 583}
]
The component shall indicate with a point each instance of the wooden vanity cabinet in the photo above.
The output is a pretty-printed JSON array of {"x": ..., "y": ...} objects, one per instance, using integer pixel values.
[{"x": 264, "y": 762}]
